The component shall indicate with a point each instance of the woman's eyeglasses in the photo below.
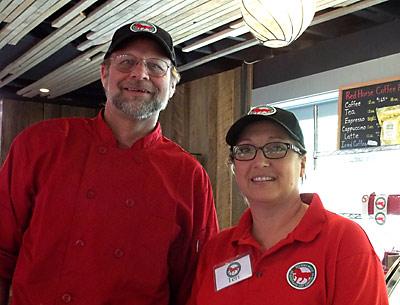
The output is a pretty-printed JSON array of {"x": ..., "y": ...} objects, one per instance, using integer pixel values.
[
  {"x": 273, "y": 150},
  {"x": 126, "y": 64}
]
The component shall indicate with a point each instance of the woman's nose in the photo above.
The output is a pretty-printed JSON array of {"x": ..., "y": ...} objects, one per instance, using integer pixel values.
[{"x": 261, "y": 159}]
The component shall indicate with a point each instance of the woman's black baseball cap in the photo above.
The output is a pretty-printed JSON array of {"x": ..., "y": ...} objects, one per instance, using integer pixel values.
[{"x": 284, "y": 118}]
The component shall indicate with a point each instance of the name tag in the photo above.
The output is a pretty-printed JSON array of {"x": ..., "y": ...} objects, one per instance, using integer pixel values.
[{"x": 232, "y": 272}]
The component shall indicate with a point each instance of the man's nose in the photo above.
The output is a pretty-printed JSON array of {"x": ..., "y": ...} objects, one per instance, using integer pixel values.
[{"x": 139, "y": 70}]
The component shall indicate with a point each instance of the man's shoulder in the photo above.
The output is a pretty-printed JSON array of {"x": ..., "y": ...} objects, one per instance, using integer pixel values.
[
  {"x": 177, "y": 152},
  {"x": 61, "y": 122},
  {"x": 55, "y": 126}
]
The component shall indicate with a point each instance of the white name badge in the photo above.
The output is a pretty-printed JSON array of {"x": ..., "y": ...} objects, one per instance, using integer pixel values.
[{"x": 232, "y": 272}]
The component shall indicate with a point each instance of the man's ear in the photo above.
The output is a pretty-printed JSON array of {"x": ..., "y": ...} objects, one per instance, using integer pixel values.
[
  {"x": 103, "y": 75},
  {"x": 172, "y": 89}
]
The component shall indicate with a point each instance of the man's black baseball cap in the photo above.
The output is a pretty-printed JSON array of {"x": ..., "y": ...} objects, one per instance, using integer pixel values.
[
  {"x": 142, "y": 28},
  {"x": 284, "y": 118}
]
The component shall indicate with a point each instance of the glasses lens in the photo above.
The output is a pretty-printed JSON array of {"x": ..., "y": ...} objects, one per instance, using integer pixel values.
[
  {"x": 156, "y": 67},
  {"x": 125, "y": 63},
  {"x": 244, "y": 152},
  {"x": 275, "y": 150}
]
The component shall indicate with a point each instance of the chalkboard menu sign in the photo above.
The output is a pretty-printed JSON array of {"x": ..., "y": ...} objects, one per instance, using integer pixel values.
[{"x": 369, "y": 114}]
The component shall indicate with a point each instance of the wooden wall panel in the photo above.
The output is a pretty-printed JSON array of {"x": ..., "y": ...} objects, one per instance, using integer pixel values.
[
  {"x": 198, "y": 118},
  {"x": 178, "y": 114},
  {"x": 18, "y": 115},
  {"x": 223, "y": 117},
  {"x": 198, "y": 103},
  {"x": 71, "y": 111},
  {"x": 243, "y": 86},
  {"x": 63, "y": 111}
]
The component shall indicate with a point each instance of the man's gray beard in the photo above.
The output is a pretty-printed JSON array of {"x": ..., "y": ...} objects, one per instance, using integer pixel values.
[{"x": 138, "y": 110}]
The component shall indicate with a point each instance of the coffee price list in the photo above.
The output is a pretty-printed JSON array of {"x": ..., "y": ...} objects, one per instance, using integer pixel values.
[{"x": 359, "y": 124}]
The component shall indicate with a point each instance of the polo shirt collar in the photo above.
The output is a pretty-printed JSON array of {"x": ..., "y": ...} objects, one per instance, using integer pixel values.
[
  {"x": 307, "y": 229},
  {"x": 313, "y": 220},
  {"x": 242, "y": 232}
]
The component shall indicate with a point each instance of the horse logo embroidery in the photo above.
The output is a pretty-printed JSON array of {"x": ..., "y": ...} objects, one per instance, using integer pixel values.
[
  {"x": 263, "y": 110},
  {"x": 142, "y": 26},
  {"x": 233, "y": 269},
  {"x": 301, "y": 275}
]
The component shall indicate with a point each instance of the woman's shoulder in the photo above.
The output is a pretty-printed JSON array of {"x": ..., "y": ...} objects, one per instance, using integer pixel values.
[
  {"x": 349, "y": 234},
  {"x": 342, "y": 223},
  {"x": 339, "y": 231}
]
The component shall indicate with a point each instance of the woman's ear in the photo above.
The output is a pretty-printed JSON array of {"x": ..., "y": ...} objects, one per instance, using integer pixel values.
[
  {"x": 232, "y": 168},
  {"x": 303, "y": 166}
]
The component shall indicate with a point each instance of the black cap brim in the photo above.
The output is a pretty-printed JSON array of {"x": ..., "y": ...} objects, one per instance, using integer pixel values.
[
  {"x": 161, "y": 42},
  {"x": 238, "y": 127},
  {"x": 126, "y": 34}
]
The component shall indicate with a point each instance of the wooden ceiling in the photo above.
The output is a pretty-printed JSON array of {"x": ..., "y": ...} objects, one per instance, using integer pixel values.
[{"x": 59, "y": 44}]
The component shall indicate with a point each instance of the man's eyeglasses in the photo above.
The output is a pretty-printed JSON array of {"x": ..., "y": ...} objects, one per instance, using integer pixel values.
[
  {"x": 126, "y": 63},
  {"x": 273, "y": 150}
]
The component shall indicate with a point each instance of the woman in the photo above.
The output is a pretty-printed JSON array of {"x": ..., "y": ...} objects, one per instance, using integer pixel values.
[{"x": 287, "y": 249}]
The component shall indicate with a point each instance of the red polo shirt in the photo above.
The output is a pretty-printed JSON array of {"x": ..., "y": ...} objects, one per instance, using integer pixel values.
[
  {"x": 326, "y": 259},
  {"x": 86, "y": 222}
]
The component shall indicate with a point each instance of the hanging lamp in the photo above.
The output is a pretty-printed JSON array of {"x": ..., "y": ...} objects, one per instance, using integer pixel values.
[{"x": 277, "y": 23}]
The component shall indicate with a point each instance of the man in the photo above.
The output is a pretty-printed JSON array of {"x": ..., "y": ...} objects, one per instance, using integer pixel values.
[{"x": 106, "y": 210}]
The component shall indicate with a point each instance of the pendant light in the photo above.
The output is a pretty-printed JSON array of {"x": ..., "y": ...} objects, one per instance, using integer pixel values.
[{"x": 277, "y": 23}]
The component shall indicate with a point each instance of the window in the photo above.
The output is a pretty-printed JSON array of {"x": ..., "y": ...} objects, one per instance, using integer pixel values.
[{"x": 343, "y": 177}]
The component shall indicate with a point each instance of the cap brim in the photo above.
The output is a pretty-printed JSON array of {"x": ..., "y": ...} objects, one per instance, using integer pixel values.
[
  {"x": 161, "y": 42},
  {"x": 236, "y": 129}
]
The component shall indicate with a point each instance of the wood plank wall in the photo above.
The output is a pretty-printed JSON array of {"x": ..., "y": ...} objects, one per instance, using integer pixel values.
[
  {"x": 198, "y": 117},
  {"x": 18, "y": 115}
]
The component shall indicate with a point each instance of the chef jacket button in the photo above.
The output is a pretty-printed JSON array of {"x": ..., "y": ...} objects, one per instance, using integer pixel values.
[
  {"x": 102, "y": 150},
  {"x": 90, "y": 194},
  {"x": 79, "y": 243},
  {"x": 66, "y": 298},
  {"x": 118, "y": 253},
  {"x": 129, "y": 203}
]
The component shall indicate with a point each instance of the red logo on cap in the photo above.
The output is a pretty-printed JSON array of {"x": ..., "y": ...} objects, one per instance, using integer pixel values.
[
  {"x": 142, "y": 26},
  {"x": 263, "y": 110}
]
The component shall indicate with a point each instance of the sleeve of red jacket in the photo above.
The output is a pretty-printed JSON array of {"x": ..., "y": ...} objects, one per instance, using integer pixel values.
[
  {"x": 185, "y": 251},
  {"x": 16, "y": 192}
]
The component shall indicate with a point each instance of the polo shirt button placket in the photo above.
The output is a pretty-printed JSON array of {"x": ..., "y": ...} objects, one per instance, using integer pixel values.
[{"x": 66, "y": 298}]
